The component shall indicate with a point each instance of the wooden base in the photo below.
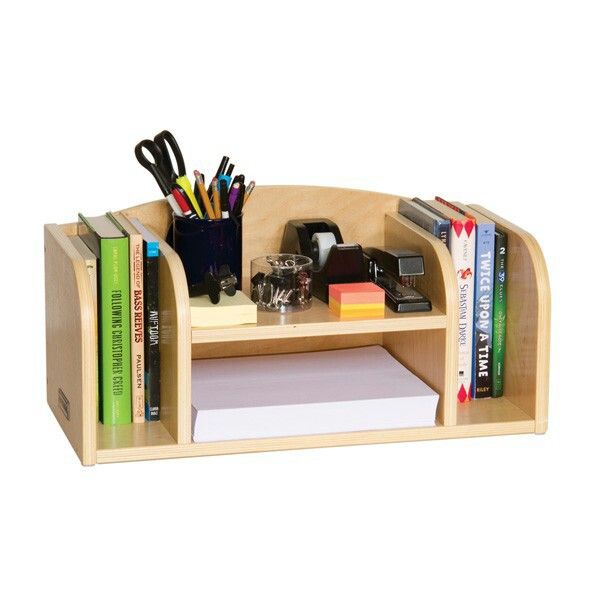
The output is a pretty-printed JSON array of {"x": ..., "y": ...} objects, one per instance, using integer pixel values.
[{"x": 424, "y": 342}]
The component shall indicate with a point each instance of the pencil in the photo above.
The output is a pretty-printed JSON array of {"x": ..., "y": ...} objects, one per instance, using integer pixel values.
[
  {"x": 214, "y": 186},
  {"x": 249, "y": 189},
  {"x": 205, "y": 200}
]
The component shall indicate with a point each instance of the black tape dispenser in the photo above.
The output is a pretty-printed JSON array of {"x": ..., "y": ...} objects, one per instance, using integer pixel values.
[
  {"x": 333, "y": 260},
  {"x": 395, "y": 271}
]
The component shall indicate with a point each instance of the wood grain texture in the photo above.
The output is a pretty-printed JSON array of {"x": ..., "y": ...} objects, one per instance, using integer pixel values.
[
  {"x": 503, "y": 419},
  {"x": 439, "y": 281},
  {"x": 284, "y": 345},
  {"x": 358, "y": 214},
  {"x": 527, "y": 323},
  {"x": 71, "y": 365},
  {"x": 424, "y": 342},
  {"x": 175, "y": 339},
  {"x": 431, "y": 355},
  {"x": 424, "y": 353},
  {"x": 318, "y": 321}
]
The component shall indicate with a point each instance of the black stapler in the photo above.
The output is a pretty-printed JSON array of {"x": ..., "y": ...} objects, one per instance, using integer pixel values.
[
  {"x": 333, "y": 260},
  {"x": 395, "y": 271}
]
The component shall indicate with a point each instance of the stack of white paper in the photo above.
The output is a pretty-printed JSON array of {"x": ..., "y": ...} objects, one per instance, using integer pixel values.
[{"x": 355, "y": 389}]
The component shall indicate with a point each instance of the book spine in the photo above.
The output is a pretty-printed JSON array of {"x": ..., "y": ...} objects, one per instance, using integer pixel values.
[
  {"x": 151, "y": 334},
  {"x": 436, "y": 227},
  {"x": 462, "y": 249},
  {"x": 483, "y": 312},
  {"x": 444, "y": 223},
  {"x": 136, "y": 250},
  {"x": 499, "y": 328},
  {"x": 114, "y": 331}
]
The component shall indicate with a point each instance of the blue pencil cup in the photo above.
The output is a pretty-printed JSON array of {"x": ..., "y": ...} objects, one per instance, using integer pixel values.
[{"x": 205, "y": 245}]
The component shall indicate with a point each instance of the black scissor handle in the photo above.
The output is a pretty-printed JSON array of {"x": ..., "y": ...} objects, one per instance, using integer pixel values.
[
  {"x": 154, "y": 167},
  {"x": 165, "y": 140}
]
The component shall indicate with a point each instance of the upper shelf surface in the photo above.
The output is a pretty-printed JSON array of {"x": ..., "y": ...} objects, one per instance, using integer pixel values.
[{"x": 316, "y": 321}]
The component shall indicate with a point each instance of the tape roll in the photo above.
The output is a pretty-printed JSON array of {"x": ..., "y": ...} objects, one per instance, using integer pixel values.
[{"x": 322, "y": 242}]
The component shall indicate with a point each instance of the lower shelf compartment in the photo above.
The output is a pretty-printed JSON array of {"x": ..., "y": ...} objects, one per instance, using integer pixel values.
[
  {"x": 148, "y": 441},
  {"x": 132, "y": 435}
]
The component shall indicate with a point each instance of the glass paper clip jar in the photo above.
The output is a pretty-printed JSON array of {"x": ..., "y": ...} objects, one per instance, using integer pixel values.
[{"x": 282, "y": 282}]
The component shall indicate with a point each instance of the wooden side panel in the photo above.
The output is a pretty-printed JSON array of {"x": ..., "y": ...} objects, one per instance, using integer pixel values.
[
  {"x": 358, "y": 214},
  {"x": 432, "y": 355},
  {"x": 175, "y": 347},
  {"x": 439, "y": 281},
  {"x": 71, "y": 365},
  {"x": 428, "y": 355},
  {"x": 527, "y": 323}
]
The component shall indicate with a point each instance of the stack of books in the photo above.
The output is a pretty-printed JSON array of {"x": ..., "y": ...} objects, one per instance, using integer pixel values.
[
  {"x": 122, "y": 261},
  {"x": 479, "y": 253}
]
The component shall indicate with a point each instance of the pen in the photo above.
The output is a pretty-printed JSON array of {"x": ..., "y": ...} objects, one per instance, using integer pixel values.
[
  {"x": 230, "y": 170},
  {"x": 203, "y": 195},
  {"x": 224, "y": 198},
  {"x": 220, "y": 171}
]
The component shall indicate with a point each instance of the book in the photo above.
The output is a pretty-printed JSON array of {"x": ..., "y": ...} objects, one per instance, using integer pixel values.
[
  {"x": 462, "y": 250},
  {"x": 111, "y": 248},
  {"x": 484, "y": 300},
  {"x": 151, "y": 322},
  {"x": 420, "y": 213},
  {"x": 231, "y": 310},
  {"x": 136, "y": 294},
  {"x": 354, "y": 389},
  {"x": 499, "y": 327}
]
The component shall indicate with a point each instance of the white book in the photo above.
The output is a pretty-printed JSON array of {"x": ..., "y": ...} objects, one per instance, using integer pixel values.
[
  {"x": 356, "y": 389},
  {"x": 463, "y": 235}
]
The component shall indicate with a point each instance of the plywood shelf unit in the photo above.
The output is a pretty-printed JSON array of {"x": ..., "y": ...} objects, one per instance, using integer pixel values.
[{"x": 424, "y": 342}]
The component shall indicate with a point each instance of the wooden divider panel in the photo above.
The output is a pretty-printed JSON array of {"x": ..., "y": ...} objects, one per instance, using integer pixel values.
[
  {"x": 71, "y": 365},
  {"x": 527, "y": 323}
]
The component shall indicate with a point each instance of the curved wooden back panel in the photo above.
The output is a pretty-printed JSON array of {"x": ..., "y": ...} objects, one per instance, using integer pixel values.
[{"x": 358, "y": 214}]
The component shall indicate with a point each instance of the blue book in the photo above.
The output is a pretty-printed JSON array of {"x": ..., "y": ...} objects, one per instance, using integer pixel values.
[
  {"x": 483, "y": 311},
  {"x": 426, "y": 217}
]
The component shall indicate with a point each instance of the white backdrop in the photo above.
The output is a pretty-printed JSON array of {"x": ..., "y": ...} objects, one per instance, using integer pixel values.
[{"x": 493, "y": 103}]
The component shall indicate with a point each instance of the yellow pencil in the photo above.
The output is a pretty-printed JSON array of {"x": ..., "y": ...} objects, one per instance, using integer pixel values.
[
  {"x": 205, "y": 200},
  {"x": 249, "y": 190},
  {"x": 215, "y": 197}
]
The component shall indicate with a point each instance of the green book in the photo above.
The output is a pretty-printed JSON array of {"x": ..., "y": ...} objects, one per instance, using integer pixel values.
[
  {"x": 499, "y": 325},
  {"x": 111, "y": 247}
]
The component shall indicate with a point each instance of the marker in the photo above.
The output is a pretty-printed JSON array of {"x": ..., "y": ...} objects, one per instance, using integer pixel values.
[
  {"x": 184, "y": 183},
  {"x": 237, "y": 211},
  {"x": 183, "y": 205},
  {"x": 173, "y": 204},
  {"x": 233, "y": 196},
  {"x": 203, "y": 195},
  {"x": 230, "y": 169},
  {"x": 220, "y": 171},
  {"x": 224, "y": 198}
]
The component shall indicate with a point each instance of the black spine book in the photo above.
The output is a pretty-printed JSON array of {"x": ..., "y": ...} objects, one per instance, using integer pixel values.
[
  {"x": 151, "y": 338},
  {"x": 151, "y": 323}
]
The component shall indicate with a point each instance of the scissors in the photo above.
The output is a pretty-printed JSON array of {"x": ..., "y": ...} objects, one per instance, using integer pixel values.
[{"x": 161, "y": 168}]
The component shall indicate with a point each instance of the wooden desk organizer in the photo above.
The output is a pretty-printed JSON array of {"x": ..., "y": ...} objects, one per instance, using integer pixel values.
[{"x": 424, "y": 342}]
